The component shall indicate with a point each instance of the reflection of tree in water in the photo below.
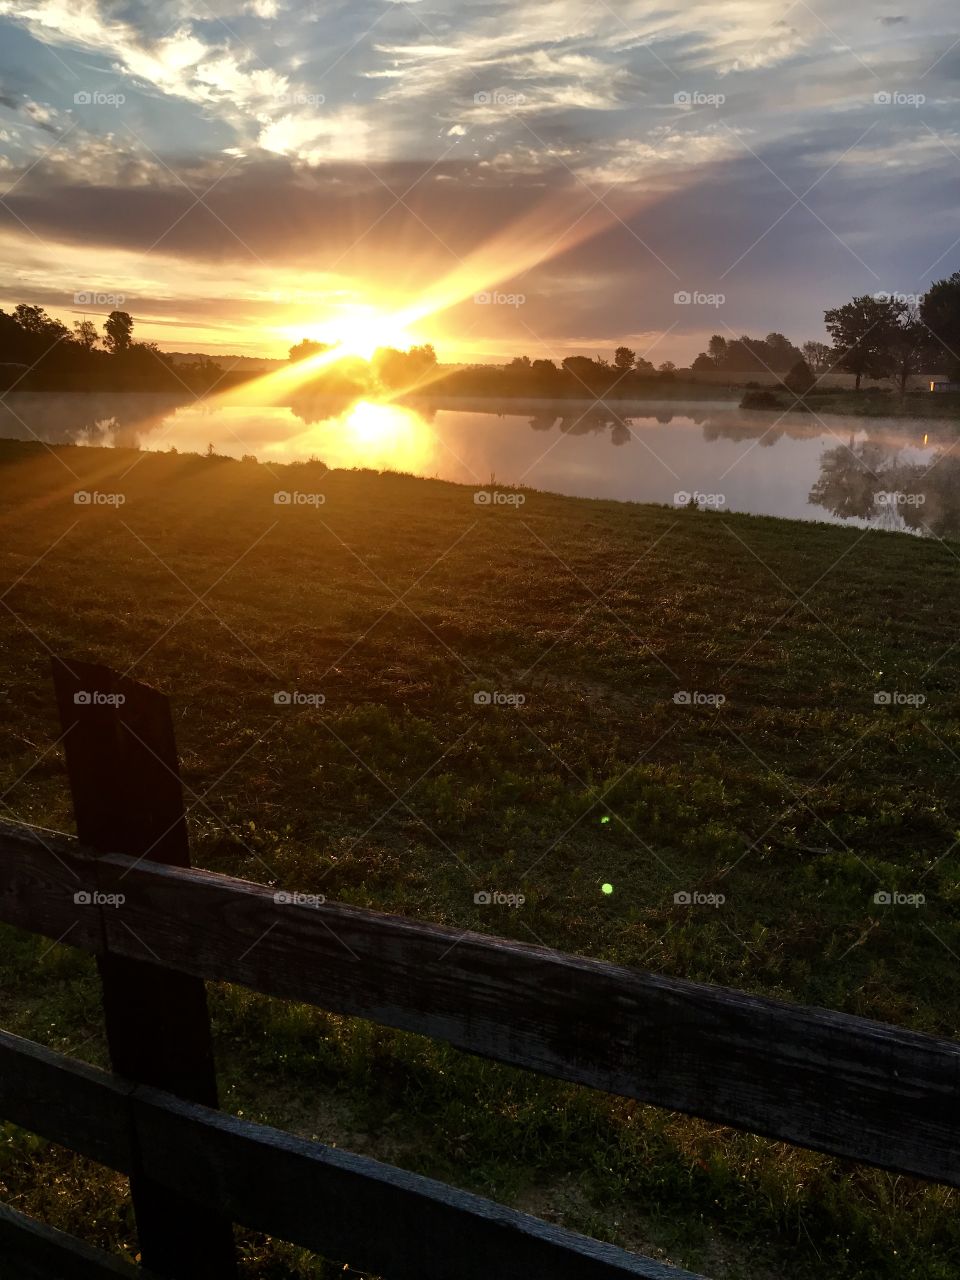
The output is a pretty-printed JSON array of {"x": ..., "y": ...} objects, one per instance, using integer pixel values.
[
  {"x": 871, "y": 481},
  {"x": 586, "y": 422},
  {"x": 121, "y": 419},
  {"x": 312, "y": 406}
]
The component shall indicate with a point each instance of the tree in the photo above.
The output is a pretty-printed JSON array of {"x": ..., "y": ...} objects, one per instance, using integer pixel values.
[
  {"x": 703, "y": 364},
  {"x": 86, "y": 334},
  {"x": 624, "y": 359},
  {"x": 424, "y": 354},
  {"x": 772, "y": 354},
  {"x": 848, "y": 480},
  {"x": 940, "y": 312},
  {"x": 800, "y": 379},
  {"x": 36, "y": 321},
  {"x": 519, "y": 364},
  {"x": 307, "y": 348},
  {"x": 818, "y": 356},
  {"x": 118, "y": 329},
  {"x": 862, "y": 333},
  {"x": 668, "y": 367},
  {"x": 910, "y": 345},
  {"x": 780, "y": 353},
  {"x": 581, "y": 367},
  {"x": 717, "y": 349}
]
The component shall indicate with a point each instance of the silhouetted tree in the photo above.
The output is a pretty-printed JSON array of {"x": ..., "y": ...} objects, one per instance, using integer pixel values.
[
  {"x": 624, "y": 359},
  {"x": 118, "y": 329},
  {"x": 86, "y": 334},
  {"x": 36, "y": 321},
  {"x": 800, "y": 379},
  {"x": 910, "y": 343},
  {"x": 582, "y": 368},
  {"x": 780, "y": 353},
  {"x": 818, "y": 356},
  {"x": 717, "y": 349},
  {"x": 940, "y": 312},
  {"x": 862, "y": 332},
  {"x": 306, "y": 348}
]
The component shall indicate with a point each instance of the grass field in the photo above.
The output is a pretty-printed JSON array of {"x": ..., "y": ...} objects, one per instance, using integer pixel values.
[{"x": 399, "y": 599}]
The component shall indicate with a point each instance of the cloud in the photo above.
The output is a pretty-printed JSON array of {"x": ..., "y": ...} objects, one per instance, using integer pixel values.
[{"x": 379, "y": 146}]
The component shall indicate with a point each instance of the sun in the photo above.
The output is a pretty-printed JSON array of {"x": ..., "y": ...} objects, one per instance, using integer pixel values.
[{"x": 361, "y": 333}]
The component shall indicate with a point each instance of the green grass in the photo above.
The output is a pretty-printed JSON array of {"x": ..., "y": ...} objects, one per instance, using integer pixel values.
[
  {"x": 399, "y": 599},
  {"x": 885, "y": 402}
]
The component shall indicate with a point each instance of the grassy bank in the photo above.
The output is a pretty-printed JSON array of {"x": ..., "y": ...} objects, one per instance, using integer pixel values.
[
  {"x": 399, "y": 599},
  {"x": 872, "y": 402}
]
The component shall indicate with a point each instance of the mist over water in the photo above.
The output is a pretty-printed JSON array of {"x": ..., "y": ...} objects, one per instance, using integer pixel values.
[{"x": 893, "y": 473}]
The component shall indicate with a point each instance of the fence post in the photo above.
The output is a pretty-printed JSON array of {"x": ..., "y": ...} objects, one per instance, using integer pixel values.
[{"x": 127, "y": 797}]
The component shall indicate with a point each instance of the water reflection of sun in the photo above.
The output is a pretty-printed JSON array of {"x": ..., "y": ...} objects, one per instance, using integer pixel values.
[{"x": 386, "y": 437}]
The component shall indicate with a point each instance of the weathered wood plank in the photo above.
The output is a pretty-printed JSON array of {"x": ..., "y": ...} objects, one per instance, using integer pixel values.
[
  {"x": 66, "y": 1101},
  {"x": 847, "y": 1086},
  {"x": 125, "y": 779},
  {"x": 343, "y": 1206},
  {"x": 32, "y": 1251},
  {"x": 358, "y": 1211}
]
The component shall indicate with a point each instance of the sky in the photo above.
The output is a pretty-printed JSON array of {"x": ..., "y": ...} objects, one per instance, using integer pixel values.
[{"x": 545, "y": 177}]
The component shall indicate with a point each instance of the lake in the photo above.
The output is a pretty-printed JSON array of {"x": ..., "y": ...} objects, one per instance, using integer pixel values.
[{"x": 893, "y": 473}]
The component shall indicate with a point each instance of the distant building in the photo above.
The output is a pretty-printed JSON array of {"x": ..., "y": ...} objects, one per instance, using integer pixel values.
[{"x": 941, "y": 384}]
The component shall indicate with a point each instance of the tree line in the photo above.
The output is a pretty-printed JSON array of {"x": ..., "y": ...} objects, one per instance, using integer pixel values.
[
  {"x": 39, "y": 353},
  {"x": 874, "y": 336}
]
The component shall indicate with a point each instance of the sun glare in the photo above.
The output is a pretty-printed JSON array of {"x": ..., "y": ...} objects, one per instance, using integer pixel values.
[
  {"x": 363, "y": 333},
  {"x": 386, "y": 437}
]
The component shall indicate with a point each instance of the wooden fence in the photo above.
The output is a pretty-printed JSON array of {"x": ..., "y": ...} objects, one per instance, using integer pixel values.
[{"x": 816, "y": 1078}]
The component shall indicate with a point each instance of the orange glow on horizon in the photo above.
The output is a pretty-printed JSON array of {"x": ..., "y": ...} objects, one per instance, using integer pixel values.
[{"x": 546, "y": 232}]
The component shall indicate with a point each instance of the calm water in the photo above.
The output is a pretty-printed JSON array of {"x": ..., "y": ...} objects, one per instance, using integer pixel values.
[{"x": 893, "y": 473}]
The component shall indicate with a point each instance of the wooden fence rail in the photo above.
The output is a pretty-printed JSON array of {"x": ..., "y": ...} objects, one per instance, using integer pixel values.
[
  {"x": 347, "y": 1206},
  {"x": 820, "y": 1079}
]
